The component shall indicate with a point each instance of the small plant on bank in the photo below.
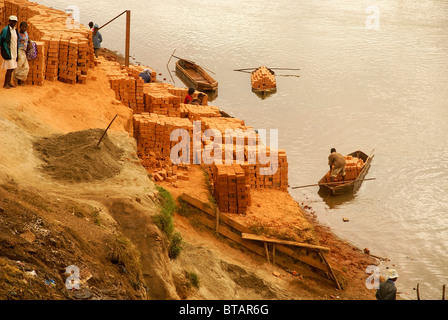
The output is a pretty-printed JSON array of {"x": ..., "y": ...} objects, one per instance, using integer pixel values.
[
  {"x": 193, "y": 277},
  {"x": 164, "y": 221}
]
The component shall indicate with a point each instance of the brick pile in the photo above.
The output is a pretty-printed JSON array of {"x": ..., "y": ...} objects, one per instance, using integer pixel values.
[
  {"x": 263, "y": 79},
  {"x": 128, "y": 89},
  {"x": 196, "y": 112},
  {"x": 353, "y": 167},
  {"x": 153, "y": 132},
  {"x": 161, "y": 101},
  {"x": 231, "y": 188},
  {"x": 136, "y": 70}
]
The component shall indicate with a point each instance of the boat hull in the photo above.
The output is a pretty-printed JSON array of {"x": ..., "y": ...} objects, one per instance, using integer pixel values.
[{"x": 194, "y": 76}]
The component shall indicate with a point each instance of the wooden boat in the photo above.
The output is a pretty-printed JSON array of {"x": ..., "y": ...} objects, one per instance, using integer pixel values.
[
  {"x": 263, "y": 81},
  {"x": 194, "y": 76},
  {"x": 346, "y": 186}
]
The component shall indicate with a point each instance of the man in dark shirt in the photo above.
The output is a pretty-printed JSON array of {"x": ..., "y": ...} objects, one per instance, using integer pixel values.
[
  {"x": 146, "y": 75},
  {"x": 387, "y": 289}
]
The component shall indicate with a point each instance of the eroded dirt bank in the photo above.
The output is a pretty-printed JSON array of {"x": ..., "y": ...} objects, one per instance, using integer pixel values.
[{"x": 101, "y": 220}]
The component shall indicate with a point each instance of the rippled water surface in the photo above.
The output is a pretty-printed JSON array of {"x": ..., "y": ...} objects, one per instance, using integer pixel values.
[{"x": 359, "y": 89}]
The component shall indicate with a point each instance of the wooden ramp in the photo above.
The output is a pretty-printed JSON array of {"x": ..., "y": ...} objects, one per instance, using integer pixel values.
[{"x": 309, "y": 260}]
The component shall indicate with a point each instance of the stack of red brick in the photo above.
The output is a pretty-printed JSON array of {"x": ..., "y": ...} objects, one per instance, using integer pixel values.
[
  {"x": 231, "y": 188},
  {"x": 263, "y": 79}
]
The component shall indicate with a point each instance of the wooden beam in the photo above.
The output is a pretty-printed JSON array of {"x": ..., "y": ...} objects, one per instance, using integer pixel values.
[{"x": 254, "y": 237}]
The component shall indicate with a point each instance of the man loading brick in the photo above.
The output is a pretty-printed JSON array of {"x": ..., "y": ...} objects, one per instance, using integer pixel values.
[{"x": 336, "y": 161}]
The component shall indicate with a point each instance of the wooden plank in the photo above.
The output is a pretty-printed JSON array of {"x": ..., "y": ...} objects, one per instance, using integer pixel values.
[
  {"x": 198, "y": 204},
  {"x": 258, "y": 249},
  {"x": 249, "y": 236},
  {"x": 302, "y": 258},
  {"x": 331, "y": 270}
]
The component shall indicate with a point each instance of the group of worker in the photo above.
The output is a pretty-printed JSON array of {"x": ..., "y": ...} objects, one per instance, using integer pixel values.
[{"x": 16, "y": 44}]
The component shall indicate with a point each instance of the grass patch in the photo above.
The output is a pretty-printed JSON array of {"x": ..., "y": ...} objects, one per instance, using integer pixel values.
[
  {"x": 164, "y": 221},
  {"x": 124, "y": 254},
  {"x": 193, "y": 278}
]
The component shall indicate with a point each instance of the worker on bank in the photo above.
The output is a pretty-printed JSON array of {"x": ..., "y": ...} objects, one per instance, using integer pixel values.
[
  {"x": 189, "y": 97},
  {"x": 336, "y": 161},
  {"x": 21, "y": 72},
  {"x": 97, "y": 39},
  {"x": 146, "y": 75},
  {"x": 9, "y": 50},
  {"x": 199, "y": 100},
  {"x": 387, "y": 289}
]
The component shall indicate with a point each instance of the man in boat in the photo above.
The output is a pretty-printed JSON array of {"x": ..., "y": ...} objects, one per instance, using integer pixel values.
[
  {"x": 336, "y": 161},
  {"x": 387, "y": 289}
]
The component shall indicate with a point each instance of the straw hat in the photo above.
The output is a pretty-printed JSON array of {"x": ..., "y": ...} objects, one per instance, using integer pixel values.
[
  {"x": 13, "y": 18},
  {"x": 392, "y": 274}
]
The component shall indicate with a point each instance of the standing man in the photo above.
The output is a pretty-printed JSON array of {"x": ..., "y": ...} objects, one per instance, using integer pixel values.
[
  {"x": 24, "y": 43},
  {"x": 9, "y": 50},
  {"x": 336, "y": 161},
  {"x": 387, "y": 289},
  {"x": 97, "y": 39}
]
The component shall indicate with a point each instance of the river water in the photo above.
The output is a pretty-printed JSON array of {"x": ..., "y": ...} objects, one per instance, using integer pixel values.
[{"x": 360, "y": 88}]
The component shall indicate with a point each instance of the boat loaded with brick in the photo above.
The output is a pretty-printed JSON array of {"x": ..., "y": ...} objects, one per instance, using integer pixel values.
[
  {"x": 356, "y": 168},
  {"x": 263, "y": 81}
]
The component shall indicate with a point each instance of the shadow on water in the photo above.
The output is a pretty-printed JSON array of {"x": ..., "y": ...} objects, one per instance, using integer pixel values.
[
  {"x": 333, "y": 201},
  {"x": 262, "y": 94}
]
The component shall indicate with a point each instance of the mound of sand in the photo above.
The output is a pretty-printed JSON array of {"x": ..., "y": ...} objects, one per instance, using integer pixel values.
[{"x": 75, "y": 157}]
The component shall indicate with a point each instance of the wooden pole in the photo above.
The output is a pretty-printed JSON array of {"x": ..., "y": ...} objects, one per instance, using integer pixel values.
[
  {"x": 273, "y": 254},
  {"x": 267, "y": 251},
  {"x": 111, "y": 20},
  {"x": 128, "y": 37},
  {"x": 168, "y": 68},
  {"x": 443, "y": 292},
  {"x": 330, "y": 183},
  {"x": 104, "y": 133},
  {"x": 217, "y": 220},
  {"x": 418, "y": 291},
  {"x": 330, "y": 269}
]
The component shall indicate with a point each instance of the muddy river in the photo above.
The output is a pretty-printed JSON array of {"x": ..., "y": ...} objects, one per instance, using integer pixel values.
[{"x": 373, "y": 76}]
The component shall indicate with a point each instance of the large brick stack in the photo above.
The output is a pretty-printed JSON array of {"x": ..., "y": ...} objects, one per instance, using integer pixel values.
[
  {"x": 160, "y": 101},
  {"x": 263, "y": 79},
  {"x": 153, "y": 132},
  {"x": 231, "y": 188},
  {"x": 127, "y": 88}
]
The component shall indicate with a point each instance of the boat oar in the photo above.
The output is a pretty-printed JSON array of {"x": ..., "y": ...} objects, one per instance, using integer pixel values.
[
  {"x": 169, "y": 71},
  {"x": 330, "y": 183},
  {"x": 244, "y": 69}
]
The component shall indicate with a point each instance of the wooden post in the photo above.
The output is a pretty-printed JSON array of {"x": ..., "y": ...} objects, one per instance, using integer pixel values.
[
  {"x": 267, "y": 251},
  {"x": 273, "y": 253},
  {"x": 128, "y": 37},
  {"x": 217, "y": 220},
  {"x": 418, "y": 291},
  {"x": 443, "y": 292}
]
